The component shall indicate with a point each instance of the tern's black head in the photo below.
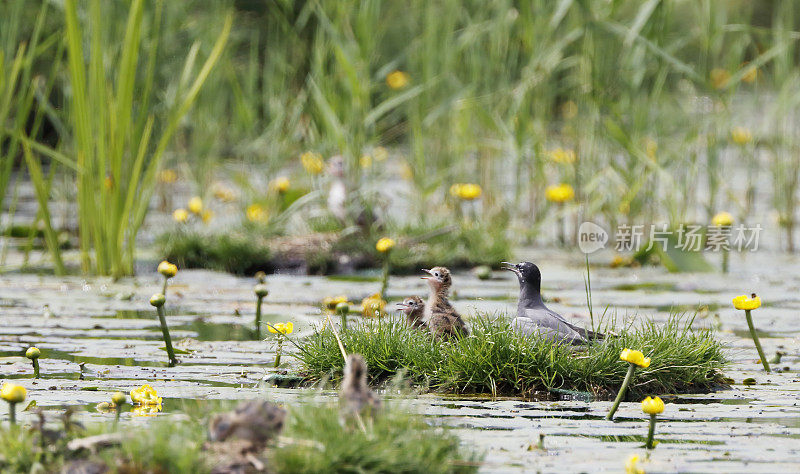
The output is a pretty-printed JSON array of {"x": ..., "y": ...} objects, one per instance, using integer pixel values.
[{"x": 527, "y": 273}]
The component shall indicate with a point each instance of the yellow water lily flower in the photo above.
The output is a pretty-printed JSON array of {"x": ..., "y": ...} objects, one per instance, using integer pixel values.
[
  {"x": 743, "y": 302},
  {"x": 206, "y": 216},
  {"x": 33, "y": 352},
  {"x": 750, "y": 74},
  {"x": 13, "y": 393},
  {"x": 118, "y": 398},
  {"x": 167, "y": 176},
  {"x": 312, "y": 162},
  {"x": 195, "y": 205},
  {"x": 365, "y": 161},
  {"x": 330, "y": 302},
  {"x": 384, "y": 245},
  {"x": 719, "y": 78},
  {"x": 180, "y": 215},
  {"x": 466, "y": 191},
  {"x": 146, "y": 410},
  {"x": 167, "y": 269},
  {"x": 281, "y": 328},
  {"x": 652, "y": 406},
  {"x": 373, "y": 305},
  {"x": 561, "y": 155},
  {"x": 635, "y": 357},
  {"x": 256, "y": 213},
  {"x": 223, "y": 193},
  {"x": 145, "y": 396},
  {"x": 722, "y": 219},
  {"x": 741, "y": 136},
  {"x": 280, "y": 184},
  {"x": 559, "y": 193},
  {"x": 632, "y": 465},
  {"x": 397, "y": 80}
]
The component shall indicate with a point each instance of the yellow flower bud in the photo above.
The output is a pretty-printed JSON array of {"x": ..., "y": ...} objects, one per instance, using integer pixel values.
[
  {"x": 635, "y": 357},
  {"x": 561, "y": 155},
  {"x": 281, "y": 328},
  {"x": 195, "y": 205},
  {"x": 180, "y": 215},
  {"x": 312, "y": 162},
  {"x": 261, "y": 290},
  {"x": 384, "y": 245},
  {"x": 13, "y": 393},
  {"x": 256, "y": 213},
  {"x": 167, "y": 176},
  {"x": 33, "y": 353},
  {"x": 722, "y": 219},
  {"x": 158, "y": 300},
  {"x": 652, "y": 406},
  {"x": 743, "y": 302},
  {"x": 167, "y": 269},
  {"x": 741, "y": 136},
  {"x": 118, "y": 398},
  {"x": 397, "y": 80},
  {"x": 560, "y": 193},
  {"x": 280, "y": 184}
]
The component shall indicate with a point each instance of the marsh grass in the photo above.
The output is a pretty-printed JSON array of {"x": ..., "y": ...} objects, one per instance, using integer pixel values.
[
  {"x": 497, "y": 361},
  {"x": 313, "y": 440}
]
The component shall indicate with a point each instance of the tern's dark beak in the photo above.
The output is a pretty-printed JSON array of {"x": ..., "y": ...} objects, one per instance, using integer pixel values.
[{"x": 510, "y": 267}]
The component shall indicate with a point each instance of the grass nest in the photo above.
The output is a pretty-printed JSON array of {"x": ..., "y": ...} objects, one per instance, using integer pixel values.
[{"x": 495, "y": 360}]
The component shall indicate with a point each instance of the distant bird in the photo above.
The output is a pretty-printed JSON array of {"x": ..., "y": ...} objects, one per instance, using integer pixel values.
[
  {"x": 533, "y": 317},
  {"x": 442, "y": 319},
  {"x": 414, "y": 309},
  {"x": 355, "y": 395},
  {"x": 253, "y": 421}
]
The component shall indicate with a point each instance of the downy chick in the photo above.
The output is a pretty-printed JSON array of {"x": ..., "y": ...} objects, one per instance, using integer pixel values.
[
  {"x": 355, "y": 396},
  {"x": 442, "y": 319},
  {"x": 414, "y": 309}
]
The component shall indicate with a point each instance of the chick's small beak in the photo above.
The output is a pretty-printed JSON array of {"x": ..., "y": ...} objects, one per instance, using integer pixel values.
[
  {"x": 402, "y": 306},
  {"x": 428, "y": 272}
]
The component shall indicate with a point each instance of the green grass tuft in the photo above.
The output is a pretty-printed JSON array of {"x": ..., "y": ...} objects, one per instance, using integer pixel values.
[{"x": 498, "y": 361}]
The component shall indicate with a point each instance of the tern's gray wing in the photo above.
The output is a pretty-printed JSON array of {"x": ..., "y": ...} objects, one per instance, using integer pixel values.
[{"x": 545, "y": 325}]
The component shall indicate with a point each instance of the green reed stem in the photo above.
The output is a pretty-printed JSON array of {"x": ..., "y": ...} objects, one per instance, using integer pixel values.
[
  {"x": 167, "y": 339},
  {"x": 259, "y": 299},
  {"x": 164, "y": 287},
  {"x": 651, "y": 432},
  {"x": 118, "y": 409},
  {"x": 385, "y": 276},
  {"x": 753, "y": 334},
  {"x": 622, "y": 389},
  {"x": 278, "y": 351}
]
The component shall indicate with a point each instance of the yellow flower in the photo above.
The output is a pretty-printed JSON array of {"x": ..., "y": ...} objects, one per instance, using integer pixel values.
[
  {"x": 632, "y": 465},
  {"x": 280, "y": 184},
  {"x": 561, "y": 155},
  {"x": 33, "y": 353},
  {"x": 466, "y": 191},
  {"x": 750, "y": 74},
  {"x": 397, "y": 80},
  {"x": 365, "y": 161},
  {"x": 13, "y": 393},
  {"x": 635, "y": 357},
  {"x": 741, "y": 136},
  {"x": 384, "y": 244},
  {"x": 223, "y": 193},
  {"x": 180, "y": 215},
  {"x": 330, "y": 302},
  {"x": 719, "y": 78},
  {"x": 108, "y": 182},
  {"x": 373, "y": 305},
  {"x": 560, "y": 193},
  {"x": 167, "y": 176},
  {"x": 146, "y": 410},
  {"x": 167, "y": 269},
  {"x": 195, "y": 205},
  {"x": 118, "y": 398},
  {"x": 207, "y": 215},
  {"x": 312, "y": 162},
  {"x": 722, "y": 219},
  {"x": 145, "y": 396},
  {"x": 652, "y": 406},
  {"x": 743, "y": 302},
  {"x": 282, "y": 328},
  {"x": 256, "y": 213},
  {"x": 380, "y": 153}
]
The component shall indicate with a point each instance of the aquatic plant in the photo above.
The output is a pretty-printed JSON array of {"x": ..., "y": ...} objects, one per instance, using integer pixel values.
[
  {"x": 157, "y": 301},
  {"x": 13, "y": 394},
  {"x": 496, "y": 360},
  {"x": 748, "y": 304},
  {"x": 634, "y": 359},
  {"x": 281, "y": 329},
  {"x": 342, "y": 309},
  {"x": 384, "y": 246},
  {"x": 723, "y": 220},
  {"x": 653, "y": 407},
  {"x": 33, "y": 353},
  {"x": 261, "y": 292},
  {"x": 373, "y": 306},
  {"x": 118, "y": 399}
]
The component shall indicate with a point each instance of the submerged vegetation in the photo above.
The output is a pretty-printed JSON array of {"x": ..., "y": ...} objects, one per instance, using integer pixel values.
[
  {"x": 497, "y": 361},
  {"x": 312, "y": 440}
]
